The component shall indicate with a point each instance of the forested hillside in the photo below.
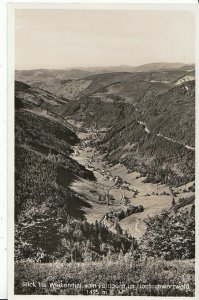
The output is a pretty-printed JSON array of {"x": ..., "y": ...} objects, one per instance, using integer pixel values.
[
  {"x": 73, "y": 206},
  {"x": 50, "y": 222},
  {"x": 157, "y": 158},
  {"x": 173, "y": 113}
]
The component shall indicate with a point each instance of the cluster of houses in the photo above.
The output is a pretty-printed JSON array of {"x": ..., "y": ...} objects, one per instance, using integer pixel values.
[{"x": 117, "y": 180}]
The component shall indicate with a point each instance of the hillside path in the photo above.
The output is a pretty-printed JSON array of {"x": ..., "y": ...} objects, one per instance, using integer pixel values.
[{"x": 165, "y": 137}]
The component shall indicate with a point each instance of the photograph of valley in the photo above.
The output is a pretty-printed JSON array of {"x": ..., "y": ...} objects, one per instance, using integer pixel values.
[{"x": 104, "y": 152}]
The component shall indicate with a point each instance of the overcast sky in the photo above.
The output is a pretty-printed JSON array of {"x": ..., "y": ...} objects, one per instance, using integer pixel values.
[{"x": 84, "y": 38}]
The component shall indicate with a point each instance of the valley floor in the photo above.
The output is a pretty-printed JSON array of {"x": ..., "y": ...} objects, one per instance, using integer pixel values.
[{"x": 153, "y": 197}]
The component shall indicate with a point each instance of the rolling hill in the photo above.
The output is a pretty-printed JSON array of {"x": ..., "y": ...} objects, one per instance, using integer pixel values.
[
  {"x": 50, "y": 80},
  {"x": 49, "y": 74},
  {"x": 33, "y": 96},
  {"x": 72, "y": 83},
  {"x": 160, "y": 66}
]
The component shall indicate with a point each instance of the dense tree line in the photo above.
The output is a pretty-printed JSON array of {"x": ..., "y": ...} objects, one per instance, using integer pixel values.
[
  {"x": 119, "y": 215},
  {"x": 46, "y": 239},
  {"x": 170, "y": 236}
]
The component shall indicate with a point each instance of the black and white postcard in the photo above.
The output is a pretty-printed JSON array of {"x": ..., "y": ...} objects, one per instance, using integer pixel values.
[{"x": 102, "y": 109}]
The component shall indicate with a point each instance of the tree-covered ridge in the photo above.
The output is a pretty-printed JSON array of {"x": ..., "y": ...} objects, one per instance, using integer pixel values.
[
  {"x": 157, "y": 158},
  {"x": 38, "y": 129},
  {"x": 173, "y": 113},
  {"x": 48, "y": 138}
]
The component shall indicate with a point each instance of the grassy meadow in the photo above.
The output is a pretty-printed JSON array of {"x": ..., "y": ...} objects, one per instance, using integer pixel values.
[{"x": 126, "y": 277}]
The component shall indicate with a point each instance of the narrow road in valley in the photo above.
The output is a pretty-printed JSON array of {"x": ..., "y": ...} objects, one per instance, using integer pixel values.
[
  {"x": 122, "y": 199},
  {"x": 145, "y": 126},
  {"x": 102, "y": 177},
  {"x": 165, "y": 137},
  {"x": 75, "y": 152},
  {"x": 189, "y": 147},
  {"x": 136, "y": 226},
  {"x": 174, "y": 141}
]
